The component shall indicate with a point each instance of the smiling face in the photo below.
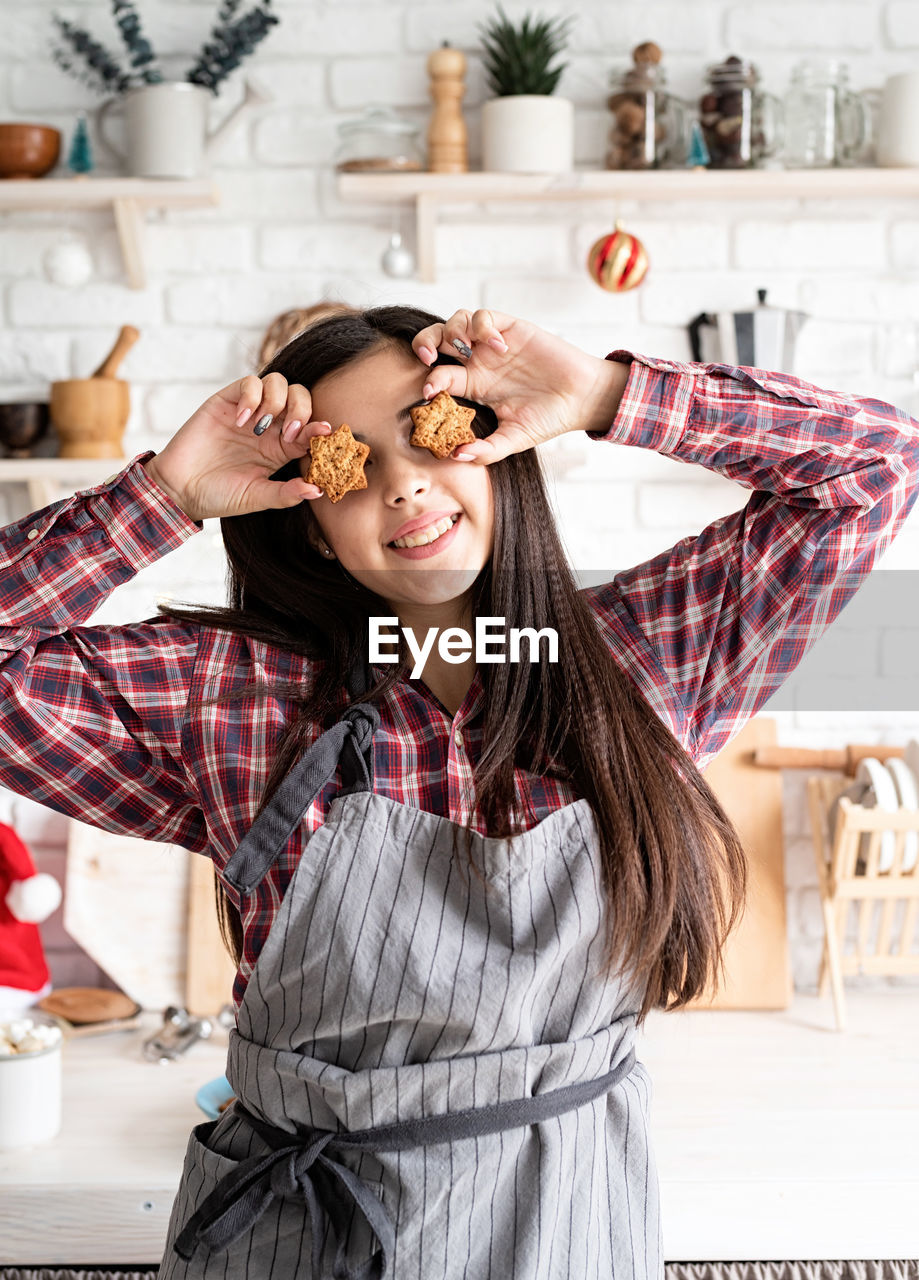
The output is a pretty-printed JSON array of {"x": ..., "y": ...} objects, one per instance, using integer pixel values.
[{"x": 423, "y": 529}]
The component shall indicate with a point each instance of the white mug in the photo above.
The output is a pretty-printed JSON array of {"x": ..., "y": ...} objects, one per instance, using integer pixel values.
[{"x": 898, "y": 122}]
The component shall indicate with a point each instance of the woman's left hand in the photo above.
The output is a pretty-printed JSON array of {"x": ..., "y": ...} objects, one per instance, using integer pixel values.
[{"x": 538, "y": 386}]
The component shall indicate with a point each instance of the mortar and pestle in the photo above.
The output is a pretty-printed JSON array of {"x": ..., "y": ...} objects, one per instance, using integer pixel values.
[{"x": 90, "y": 414}]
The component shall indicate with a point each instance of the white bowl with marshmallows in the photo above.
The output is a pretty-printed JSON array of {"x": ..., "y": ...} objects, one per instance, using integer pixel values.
[{"x": 30, "y": 1079}]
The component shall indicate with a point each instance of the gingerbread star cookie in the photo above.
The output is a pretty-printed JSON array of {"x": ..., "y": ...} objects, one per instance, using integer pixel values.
[
  {"x": 442, "y": 424},
  {"x": 337, "y": 463}
]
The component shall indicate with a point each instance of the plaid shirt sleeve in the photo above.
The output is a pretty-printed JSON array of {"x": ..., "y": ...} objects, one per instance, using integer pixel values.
[
  {"x": 728, "y": 614},
  {"x": 91, "y": 717}
]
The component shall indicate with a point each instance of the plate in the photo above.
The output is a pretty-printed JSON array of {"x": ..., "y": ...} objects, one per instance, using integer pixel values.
[
  {"x": 908, "y": 794},
  {"x": 211, "y": 1096},
  {"x": 885, "y": 798}
]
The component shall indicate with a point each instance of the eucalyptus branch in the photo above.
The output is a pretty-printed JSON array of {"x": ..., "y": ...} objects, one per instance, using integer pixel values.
[{"x": 136, "y": 43}]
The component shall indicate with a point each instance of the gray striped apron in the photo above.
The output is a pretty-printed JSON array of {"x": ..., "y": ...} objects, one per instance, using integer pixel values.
[{"x": 434, "y": 1078}]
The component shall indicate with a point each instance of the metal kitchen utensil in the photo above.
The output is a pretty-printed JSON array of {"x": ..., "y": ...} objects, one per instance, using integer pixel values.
[
  {"x": 176, "y": 1036},
  {"x": 762, "y": 338}
]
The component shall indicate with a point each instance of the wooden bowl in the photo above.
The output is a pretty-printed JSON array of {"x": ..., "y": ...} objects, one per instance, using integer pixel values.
[
  {"x": 28, "y": 150},
  {"x": 21, "y": 425},
  {"x": 90, "y": 415}
]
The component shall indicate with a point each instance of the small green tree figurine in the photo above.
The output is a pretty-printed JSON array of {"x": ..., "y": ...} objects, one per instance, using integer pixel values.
[{"x": 80, "y": 156}]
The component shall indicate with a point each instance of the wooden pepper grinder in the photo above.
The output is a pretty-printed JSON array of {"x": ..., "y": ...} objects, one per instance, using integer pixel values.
[{"x": 447, "y": 140}]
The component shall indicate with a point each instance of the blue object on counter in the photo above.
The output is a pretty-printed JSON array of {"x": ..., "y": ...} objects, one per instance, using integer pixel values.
[{"x": 211, "y": 1096}]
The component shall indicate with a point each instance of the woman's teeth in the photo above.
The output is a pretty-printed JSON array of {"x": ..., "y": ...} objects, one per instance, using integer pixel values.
[{"x": 424, "y": 536}]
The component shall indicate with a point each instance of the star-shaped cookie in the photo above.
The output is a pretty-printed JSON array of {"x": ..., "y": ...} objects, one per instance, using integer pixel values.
[
  {"x": 337, "y": 463},
  {"x": 442, "y": 424}
]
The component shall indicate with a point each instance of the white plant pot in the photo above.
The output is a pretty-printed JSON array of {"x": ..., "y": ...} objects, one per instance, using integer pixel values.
[{"x": 528, "y": 133}]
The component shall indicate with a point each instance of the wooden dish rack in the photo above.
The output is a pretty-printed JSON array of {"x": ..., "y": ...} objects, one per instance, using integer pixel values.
[{"x": 881, "y": 906}]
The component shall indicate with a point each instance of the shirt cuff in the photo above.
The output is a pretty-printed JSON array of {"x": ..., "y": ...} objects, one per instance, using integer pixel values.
[
  {"x": 141, "y": 520},
  {"x": 655, "y": 405}
]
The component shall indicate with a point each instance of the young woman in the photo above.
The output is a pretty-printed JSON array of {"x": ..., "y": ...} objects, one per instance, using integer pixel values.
[{"x": 453, "y": 897}]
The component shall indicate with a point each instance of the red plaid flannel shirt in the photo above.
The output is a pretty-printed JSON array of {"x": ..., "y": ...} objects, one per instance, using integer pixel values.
[{"x": 95, "y": 721}]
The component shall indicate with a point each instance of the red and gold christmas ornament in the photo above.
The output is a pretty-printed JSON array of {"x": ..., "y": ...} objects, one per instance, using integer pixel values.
[{"x": 617, "y": 261}]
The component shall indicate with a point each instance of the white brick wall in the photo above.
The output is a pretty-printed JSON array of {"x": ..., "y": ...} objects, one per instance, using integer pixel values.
[{"x": 280, "y": 237}]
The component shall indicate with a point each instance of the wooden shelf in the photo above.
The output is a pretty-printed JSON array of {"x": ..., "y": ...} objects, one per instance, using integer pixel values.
[
  {"x": 48, "y": 479},
  {"x": 428, "y": 191},
  {"x": 129, "y": 198}
]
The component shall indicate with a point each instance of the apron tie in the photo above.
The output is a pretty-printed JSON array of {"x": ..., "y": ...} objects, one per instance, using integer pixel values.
[
  {"x": 299, "y": 1165},
  {"x": 237, "y": 1203}
]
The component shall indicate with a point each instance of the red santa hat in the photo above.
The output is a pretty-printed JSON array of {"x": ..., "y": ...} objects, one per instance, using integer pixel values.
[{"x": 26, "y": 898}]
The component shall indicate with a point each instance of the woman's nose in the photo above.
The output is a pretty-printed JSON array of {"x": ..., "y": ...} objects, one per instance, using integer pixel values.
[{"x": 404, "y": 477}]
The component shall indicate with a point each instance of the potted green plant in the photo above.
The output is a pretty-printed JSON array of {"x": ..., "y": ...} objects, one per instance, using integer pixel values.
[
  {"x": 166, "y": 121},
  {"x": 525, "y": 128}
]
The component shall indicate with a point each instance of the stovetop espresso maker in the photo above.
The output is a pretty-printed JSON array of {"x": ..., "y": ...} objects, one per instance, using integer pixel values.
[{"x": 763, "y": 338}]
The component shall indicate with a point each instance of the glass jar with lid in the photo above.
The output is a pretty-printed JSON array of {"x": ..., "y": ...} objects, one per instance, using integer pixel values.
[
  {"x": 826, "y": 123},
  {"x": 649, "y": 129},
  {"x": 741, "y": 123},
  {"x": 378, "y": 140}
]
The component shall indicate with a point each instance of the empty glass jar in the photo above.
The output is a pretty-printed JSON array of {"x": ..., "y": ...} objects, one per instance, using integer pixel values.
[
  {"x": 741, "y": 123},
  {"x": 378, "y": 140},
  {"x": 826, "y": 124}
]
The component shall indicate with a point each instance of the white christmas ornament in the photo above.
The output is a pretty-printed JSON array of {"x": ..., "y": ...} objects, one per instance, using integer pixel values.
[
  {"x": 397, "y": 261},
  {"x": 68, "y": 264},
  {"x": 34, "y": 899}
]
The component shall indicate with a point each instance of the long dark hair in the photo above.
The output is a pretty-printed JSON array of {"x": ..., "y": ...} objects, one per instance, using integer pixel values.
[{"x": 674, "y": 869}]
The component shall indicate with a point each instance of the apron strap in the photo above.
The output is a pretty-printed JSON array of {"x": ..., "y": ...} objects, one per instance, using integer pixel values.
[
  {"x": 304, "y": 1164},
  {"x": 350, "y": 743}
]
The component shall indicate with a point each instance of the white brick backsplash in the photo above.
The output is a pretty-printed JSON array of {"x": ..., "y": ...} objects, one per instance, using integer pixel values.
[
  {"x": 318, "y": 32},
  {"x": 192, "y": 250},
  {"x": 298, "y": 82},
  {"x": 168, "y": 354},
  {"x": 32, "y": 360},
  {"x": 819, "y": 25},
  {"x": 293, "y": 138},
  {"x": 504, "y": 245},
  {"x": 847, "y": 348},
  {"x": 37, "y": 302},
  {"x": 885, "y": 299},
  {"x": 254, "y": 196},
  {"x": 41, "y": 87},
  {"x": 676, "y": 27},
  {"x": 167, "y": 407},
  {"x": 904, "y": 244},
  {"x": 399, "y": 82},
  {"x": 36, "y": 824},
  {"x": 809, "y": 245},
  {"x": 693, "y": 504},
  {"x": 232, "y": 300},
  {"x": 318, "y": 246},
  {"x": 565, "y": 299}
]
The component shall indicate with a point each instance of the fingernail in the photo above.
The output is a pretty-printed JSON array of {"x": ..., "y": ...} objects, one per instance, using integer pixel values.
[
  {"x": 243, "y": 417},
  {"x": 292, "y": 428},
  {"x": 427, "y": 391},
  {"x": 464, "y": 457},
  {"x": 427, "y": 353},
  {"x": 498, "y": 344},
  {"x": 263, "y": 424},
  {"x": 462, "y": 348}
]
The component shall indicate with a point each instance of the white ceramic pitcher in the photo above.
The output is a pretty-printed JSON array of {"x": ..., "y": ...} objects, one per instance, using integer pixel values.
[{"x": 166, "y": 127}]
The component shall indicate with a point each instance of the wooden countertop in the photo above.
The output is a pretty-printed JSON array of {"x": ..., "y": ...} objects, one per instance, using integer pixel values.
[{"x": 776, "y": 1136}]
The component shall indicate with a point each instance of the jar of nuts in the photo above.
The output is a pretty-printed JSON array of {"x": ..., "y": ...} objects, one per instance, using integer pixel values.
[
  {"x": 649, "y": 124},
  {"x": 742, "y": 124}
]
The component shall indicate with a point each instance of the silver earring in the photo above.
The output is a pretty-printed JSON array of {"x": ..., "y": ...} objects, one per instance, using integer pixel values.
[{"x": 326, "y": 551}]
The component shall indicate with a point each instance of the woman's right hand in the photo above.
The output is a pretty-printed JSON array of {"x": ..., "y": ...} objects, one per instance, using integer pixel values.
[{"x": 215, "y": 465}]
